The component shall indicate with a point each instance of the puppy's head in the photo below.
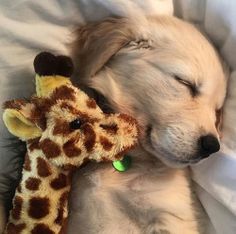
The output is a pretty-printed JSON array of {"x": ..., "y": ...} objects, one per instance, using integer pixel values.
[{"x": 165, "y": 74}]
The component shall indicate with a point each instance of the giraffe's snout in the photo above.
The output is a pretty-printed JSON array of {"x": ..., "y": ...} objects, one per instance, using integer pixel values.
[{"x": 122, "y": 130}]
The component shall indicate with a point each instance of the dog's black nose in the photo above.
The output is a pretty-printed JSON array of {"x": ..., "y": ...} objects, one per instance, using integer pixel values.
[{"x": 209, "y": 144}]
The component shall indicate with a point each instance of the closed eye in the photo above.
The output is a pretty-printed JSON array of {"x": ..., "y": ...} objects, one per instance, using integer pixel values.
[{"x": 192, "y": 87}]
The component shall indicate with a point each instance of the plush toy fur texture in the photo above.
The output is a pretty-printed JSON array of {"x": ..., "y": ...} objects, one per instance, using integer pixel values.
[{"x": 63, "y": 128}]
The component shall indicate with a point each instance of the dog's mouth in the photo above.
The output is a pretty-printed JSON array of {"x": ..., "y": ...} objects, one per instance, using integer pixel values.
[{"x": 165, "y": 155}]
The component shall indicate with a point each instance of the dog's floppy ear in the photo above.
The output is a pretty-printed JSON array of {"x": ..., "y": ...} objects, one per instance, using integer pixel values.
[{"x": 97, "y": 42}]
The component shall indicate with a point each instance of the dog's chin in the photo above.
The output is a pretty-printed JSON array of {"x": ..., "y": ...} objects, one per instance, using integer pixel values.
[
  {"x": 165, "y": 155},
  {"x": 168, "y": 158}
]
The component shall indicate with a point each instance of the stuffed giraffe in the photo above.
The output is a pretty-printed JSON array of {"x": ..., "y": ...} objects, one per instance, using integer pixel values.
[{"x": 62, "y": 128}]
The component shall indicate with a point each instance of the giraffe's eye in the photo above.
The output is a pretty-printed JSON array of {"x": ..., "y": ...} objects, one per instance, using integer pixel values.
[{"x": 76, "y": 124}]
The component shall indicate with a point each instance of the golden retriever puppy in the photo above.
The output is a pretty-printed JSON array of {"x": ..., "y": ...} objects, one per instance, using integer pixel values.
[{"x": 166, "y": 74}]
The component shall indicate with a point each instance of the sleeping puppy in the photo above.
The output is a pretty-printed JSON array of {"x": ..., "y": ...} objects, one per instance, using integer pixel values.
[{"x": 167, "y": 75}]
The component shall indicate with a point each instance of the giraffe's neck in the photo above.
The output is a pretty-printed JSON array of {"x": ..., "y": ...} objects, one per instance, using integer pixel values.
[{"x": 40, "y": 202}]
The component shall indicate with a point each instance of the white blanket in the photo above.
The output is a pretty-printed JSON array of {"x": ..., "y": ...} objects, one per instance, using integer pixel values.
[{"x": 27, "y": 27}]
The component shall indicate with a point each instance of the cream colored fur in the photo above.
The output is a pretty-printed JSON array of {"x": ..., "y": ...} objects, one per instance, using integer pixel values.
[{"x": 134, "y": 64}]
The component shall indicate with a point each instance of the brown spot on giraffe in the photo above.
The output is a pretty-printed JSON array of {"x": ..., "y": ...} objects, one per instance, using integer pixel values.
[
  {"x": 106, "y": 144},
  {"x": 131, "y": 121},
  {"x": 69, "y": 167},
  {"x": 43, "y": 105},
  {"x": 15, "y": 228},
  {"x": 70, "y": 108},
  {"x": 43, "y": 168},
  {"x": 19, "y": 188},
  {"x": 17, "y": 207},
  {"x": 61, "y": 127},
  {"x": 91, "y": 103},
  {"x": 50, "y": 148},
  {"x": 64, "y": 198},
  {"x": 62, "y": 204},
  {"x": 59, "y": 218},
  {"x": 42, "y": 229},
  {"x": 38, "y": 114},
  {"x": 70, "y": 149},
  {"x": 34, "y": 144},
  {"x": 14, "y": 104},
  {"x": 83, "y": 116},
  {"x": 90, "y": 137},
  {"x": 127, "y": 119},
  {"x": 27, "y": 163},
  {"x": 111, "y": 129},
  {"x": 64, "y": 226},
  {"x": 38, "y": 207},
  {"x": 32, "y": 183},
  {"x": 63, "y": 93},
  {"x": 60, "y": 182}
]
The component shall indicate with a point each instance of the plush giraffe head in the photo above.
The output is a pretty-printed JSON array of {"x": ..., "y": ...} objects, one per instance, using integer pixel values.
[{"x": 69, "y": 125}]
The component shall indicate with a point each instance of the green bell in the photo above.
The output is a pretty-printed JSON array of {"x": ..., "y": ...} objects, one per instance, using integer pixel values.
[{"x": 122, "y": 165}]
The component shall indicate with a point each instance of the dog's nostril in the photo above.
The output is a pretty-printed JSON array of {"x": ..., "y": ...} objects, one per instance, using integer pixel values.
[{"x": 209, "y": 144}]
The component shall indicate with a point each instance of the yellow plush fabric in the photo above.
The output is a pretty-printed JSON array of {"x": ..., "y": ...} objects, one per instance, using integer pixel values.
[
  {"x": 19, "y": 126},
  {"x": 45, "y": 85}
]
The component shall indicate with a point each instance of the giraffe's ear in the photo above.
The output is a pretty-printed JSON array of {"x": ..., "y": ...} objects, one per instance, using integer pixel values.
[{"x": 19, "y": 124}]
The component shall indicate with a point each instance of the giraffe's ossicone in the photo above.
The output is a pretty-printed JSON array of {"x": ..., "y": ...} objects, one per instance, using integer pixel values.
[{"x": 62, "y": 128}]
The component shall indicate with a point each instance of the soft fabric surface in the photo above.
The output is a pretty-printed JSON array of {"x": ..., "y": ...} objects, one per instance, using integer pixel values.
[{"x": 27, "y": 27}]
